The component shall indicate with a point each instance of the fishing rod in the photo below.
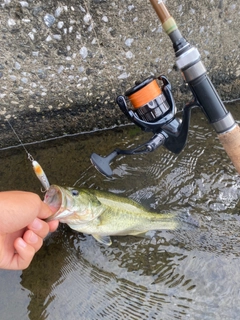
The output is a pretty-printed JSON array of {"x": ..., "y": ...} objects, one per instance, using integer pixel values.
[{"x": 150, "y": 104}]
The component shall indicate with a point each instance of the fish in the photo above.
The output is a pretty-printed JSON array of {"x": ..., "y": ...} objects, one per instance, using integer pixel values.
[{"x": 103, "y": 214}]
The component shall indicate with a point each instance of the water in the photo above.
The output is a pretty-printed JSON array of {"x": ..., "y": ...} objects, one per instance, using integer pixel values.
[{"x": 184, "y": 274}]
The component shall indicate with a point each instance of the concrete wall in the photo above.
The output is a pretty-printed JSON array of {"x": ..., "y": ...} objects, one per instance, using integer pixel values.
[{"x": 64, "y": 62}]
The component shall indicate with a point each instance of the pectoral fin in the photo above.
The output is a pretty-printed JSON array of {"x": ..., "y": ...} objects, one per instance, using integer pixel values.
[{"x": 103, "y": 239}]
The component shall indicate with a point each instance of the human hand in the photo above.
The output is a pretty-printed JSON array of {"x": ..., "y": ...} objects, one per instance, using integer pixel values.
[{"x": 22, "y": 229}]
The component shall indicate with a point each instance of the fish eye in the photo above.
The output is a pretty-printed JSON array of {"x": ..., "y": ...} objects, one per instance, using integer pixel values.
[{"x": 75, "y": 192}]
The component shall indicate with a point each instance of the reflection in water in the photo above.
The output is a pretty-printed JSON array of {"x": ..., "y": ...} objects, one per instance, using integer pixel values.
[
  {"x": 44, "y": 274},
  {"x": 119, "y": 282},
  {"x": 191, "y": 273}
]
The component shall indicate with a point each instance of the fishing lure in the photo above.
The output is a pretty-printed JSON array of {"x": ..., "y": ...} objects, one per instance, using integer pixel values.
[
  {"x": 40, "y": 174},
  {"x": 36, "y": 166}
]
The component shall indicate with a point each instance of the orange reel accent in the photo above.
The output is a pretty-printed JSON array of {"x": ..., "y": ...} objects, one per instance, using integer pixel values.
[{"x": 145, "y": 95}]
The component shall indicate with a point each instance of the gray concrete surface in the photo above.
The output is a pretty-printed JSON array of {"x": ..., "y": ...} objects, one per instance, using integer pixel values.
[{"x": 62, "y": 63}]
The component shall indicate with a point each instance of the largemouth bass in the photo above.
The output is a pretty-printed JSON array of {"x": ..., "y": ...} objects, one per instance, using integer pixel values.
[{"x": 103, "y": 214}]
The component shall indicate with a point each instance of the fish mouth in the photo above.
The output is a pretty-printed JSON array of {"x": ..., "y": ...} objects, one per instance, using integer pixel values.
[{"x": 58, "y": 199}]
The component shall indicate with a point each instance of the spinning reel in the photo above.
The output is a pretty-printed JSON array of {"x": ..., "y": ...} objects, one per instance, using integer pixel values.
[{"x": 151, "y": 107}]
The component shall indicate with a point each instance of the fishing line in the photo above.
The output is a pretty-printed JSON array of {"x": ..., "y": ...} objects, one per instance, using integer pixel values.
[
  {"x": 36, "y": 166},
  {"x": 30, "y": 157},
  {"x": 68, "y": 135}
]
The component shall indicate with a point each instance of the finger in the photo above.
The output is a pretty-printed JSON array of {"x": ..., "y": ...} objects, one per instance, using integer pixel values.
[
  {"x": 23, "y": 256},
  {"x": 33, "y": 240},
  {"x": 45, "y": 211},
  {"x": 53, "y": 225},
  {"x": 27, "y": 205},
  {"x": 15, "y": 204},
  {"x": 39, "y": 227}
]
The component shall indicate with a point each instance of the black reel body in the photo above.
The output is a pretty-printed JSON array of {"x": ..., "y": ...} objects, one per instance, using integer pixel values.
[{"x": 153, "y": 109}]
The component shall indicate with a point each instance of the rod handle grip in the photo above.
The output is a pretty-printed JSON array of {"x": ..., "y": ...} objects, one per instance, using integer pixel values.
[{"x": 231, "y": 143}]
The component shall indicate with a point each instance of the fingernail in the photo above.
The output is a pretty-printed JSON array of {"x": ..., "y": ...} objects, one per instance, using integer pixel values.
[
  {"x": 36, "y": 224},
  {"x": 33, "y": 237},
  {"x": 22, "y": 243}
]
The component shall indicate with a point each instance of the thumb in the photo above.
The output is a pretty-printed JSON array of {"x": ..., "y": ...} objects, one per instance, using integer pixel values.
[{"x": 45, "y": 211}]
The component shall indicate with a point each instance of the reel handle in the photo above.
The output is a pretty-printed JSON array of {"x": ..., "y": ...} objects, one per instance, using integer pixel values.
[{"x": 102, "y": 164}]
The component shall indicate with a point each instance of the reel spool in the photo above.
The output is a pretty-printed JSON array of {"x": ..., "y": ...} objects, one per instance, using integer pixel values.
[
  {"x": 148, "y": 105},
  {"x": 148, "y": 100}
]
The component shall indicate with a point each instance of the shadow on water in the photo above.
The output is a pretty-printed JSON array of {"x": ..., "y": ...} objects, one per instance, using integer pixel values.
[{"x": 191, "y": 273}]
